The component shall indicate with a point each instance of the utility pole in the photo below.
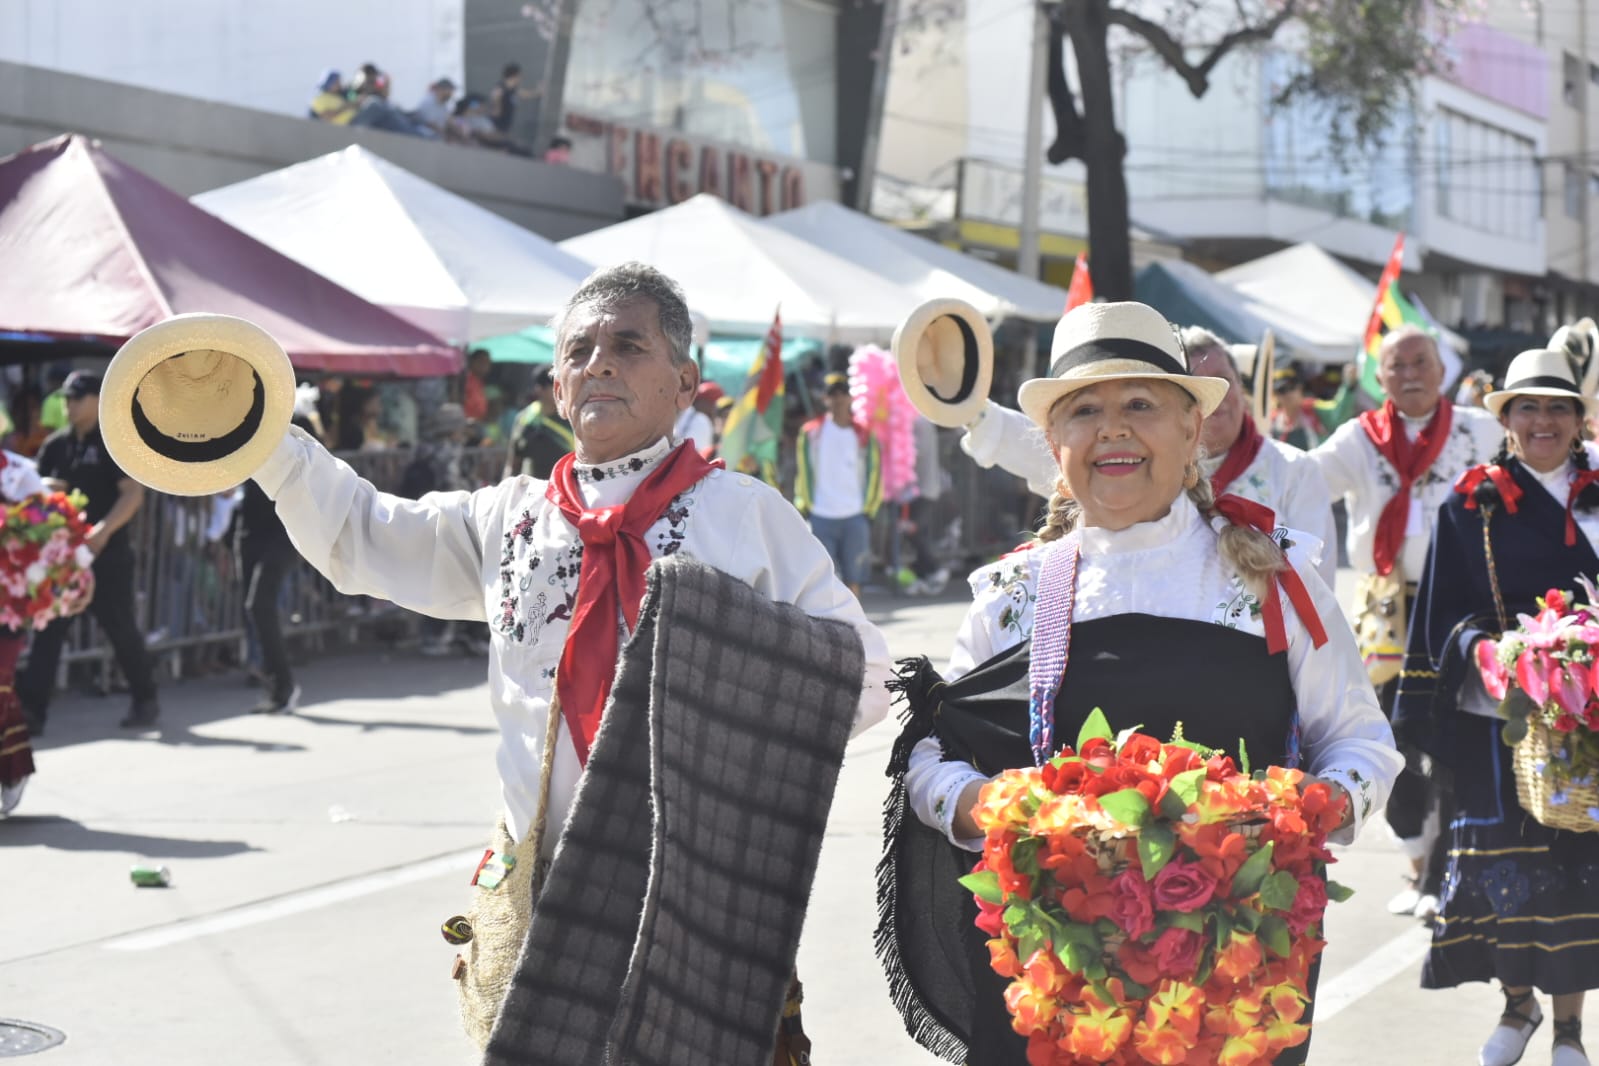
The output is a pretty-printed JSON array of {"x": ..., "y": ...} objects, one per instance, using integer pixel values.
[
  {"x": 1027, "y": 259},
  {"x": 866, "y": 173}
]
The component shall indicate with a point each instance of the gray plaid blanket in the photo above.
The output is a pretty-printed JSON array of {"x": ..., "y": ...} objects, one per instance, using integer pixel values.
[{"x": 667, "y": 929}]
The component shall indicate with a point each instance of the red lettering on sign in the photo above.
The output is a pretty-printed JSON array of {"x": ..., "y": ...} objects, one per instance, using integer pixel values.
[
  {"x": 793, "y": 188},
  {"x": 618, "y": 152},
  {"x": 647, "y": 184},
  {"x": 711, "y": 171},
  {"x": 768, "y": 172},
  {"x": 739, "y": 181},
  {"x": 679, "y": 164}
]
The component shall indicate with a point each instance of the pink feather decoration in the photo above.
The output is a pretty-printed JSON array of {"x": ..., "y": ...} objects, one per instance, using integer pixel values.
[{"x": 879, "y": 401}]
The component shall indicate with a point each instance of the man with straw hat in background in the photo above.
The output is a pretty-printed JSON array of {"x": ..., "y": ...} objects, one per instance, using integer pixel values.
[
  {"x": 557, "y": 569},
  {"x": 1394, "y": 467}
]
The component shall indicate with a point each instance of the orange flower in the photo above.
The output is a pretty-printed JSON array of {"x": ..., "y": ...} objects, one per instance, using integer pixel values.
[
  {"x": 1221, "y": 850},
  {"x": 1282, "y": 1034},
  {"x": 1240, "y": 957},
  {"x": 1287, "y": 1000},
  {"x": 1046, "y": 973},
  {"x": 1160, "y": 1045},
  {"x": 1236, "y": 1015},
  {"x": 1244, "y": 1049},
  {"x": 1031, "y": 1008},
  {"x": 1178, "y": 1006},
  {"x": 1097, "y": 1031},
  {"x": 1002, "y": 958}
]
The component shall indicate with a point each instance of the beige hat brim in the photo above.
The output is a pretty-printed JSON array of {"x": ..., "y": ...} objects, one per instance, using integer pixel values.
[
  {"x": 951, "y": 340},
  {"x": 1495, "y": 401},
  {"x": 1040, "y": 395},
  {"x": 215, "y": 457}
]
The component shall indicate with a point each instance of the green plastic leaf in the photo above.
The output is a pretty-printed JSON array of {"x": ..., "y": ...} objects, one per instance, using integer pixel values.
[
  {"x": 1193, "y": 921},
  {"x": 1079, "y": 957},
  {"x": 1338, "y": 893},
  {"x": 1207, "y": 966},
  {"x": 1186, "y": 785},
  {"x": 1247, "y": 881},
  {"x": 1172, "y": 807},
  {"x": 1224, "y": 929},
  {"x": 1277, "y": 892},
  {"x": 1243, "y": 757},
  {"x": 1095, "y": 726},
  {"x": 1129, "y": 807},
  {"x": 1024, "y": 856},
  {"x": 1029, "y": 943},
  {"x": 985, "y": 886},
  {"x": 1274, "y": 934},
  {"x": 1248, "y": 919},
  {"x": 1156, "y": 845},
  {"x": 1016, "y": 916}
]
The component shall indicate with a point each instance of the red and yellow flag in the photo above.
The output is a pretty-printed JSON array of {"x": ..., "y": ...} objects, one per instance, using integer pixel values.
[
  {"x": 1082, "y": 287},
  {"x": 755, "y": 424},
  {"x": 1390, "y": 311}
]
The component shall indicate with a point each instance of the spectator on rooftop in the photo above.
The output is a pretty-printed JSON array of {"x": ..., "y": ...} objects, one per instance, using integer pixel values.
[
  {"x": 503, "y": 97},
  {"x": 331, "y": 103},
  {"x": 434, "y": 110},
  {"x": 559, "y": 151}
]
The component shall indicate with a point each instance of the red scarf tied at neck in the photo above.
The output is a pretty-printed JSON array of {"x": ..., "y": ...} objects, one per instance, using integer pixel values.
[
  {"x": 615, "y": 558},
  {"x": 1509, "y": 491},
  {"x": 1239, "y": 456},
  {"x": 1410, "y": 460},
  {"x": 1242, "y": 512},
  {"x": 1582, "y": 480}
]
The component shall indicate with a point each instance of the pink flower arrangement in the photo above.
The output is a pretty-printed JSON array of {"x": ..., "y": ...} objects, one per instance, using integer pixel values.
[
  {"x": 879, "y": 401},
  {"x": 44, "y": 560}
]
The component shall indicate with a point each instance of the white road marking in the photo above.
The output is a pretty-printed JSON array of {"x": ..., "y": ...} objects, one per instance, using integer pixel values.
[
  {"x": 295, "y": 903},
  {"x": 1371, "y": 972}
]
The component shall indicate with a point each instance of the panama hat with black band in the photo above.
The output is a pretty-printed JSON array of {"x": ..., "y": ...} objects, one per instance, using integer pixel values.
[
  {"x": 1539, "y": 372},
  {"x": 1128, "y": 341},
  {"x": 196, "y": 404},
  {"x": 945, "y": 353}
]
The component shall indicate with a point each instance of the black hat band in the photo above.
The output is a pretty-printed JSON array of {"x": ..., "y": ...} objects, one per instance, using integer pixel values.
[
  {"x": 1098, "y": 351},
  {"x": 202, "y": 451},
  {"x": 1544, "y": 381}
]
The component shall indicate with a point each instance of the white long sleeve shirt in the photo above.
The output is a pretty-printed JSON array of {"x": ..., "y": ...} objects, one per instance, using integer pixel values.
[
  {"x": 1172, "y": 568},
  {"x": 1280, "y": 476},
  {"x": 505, "y": 555},
  {"x": 1354, "y": 470}
]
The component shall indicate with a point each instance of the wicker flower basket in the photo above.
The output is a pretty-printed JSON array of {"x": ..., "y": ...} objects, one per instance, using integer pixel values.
[{"x": 1539, "y": 795}]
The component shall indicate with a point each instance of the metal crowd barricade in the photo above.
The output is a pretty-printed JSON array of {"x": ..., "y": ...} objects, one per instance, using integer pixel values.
[{"x": 188, "y": 593}]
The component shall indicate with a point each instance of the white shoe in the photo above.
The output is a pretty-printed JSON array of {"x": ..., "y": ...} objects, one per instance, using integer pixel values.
[
  {"x": 1427, "y": 907},
  {"x": 1507, "y": 1043},
  {"x": 11, "y": 795},
  {"x": 1405, "y": 902}
]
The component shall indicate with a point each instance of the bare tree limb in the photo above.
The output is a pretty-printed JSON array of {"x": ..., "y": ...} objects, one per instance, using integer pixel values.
[{"x": 1197, "y": 75}]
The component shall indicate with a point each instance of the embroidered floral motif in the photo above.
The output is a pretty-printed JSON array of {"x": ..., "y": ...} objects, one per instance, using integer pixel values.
[
  {"x": 631, "y": 465},
  {"x": 672, "y": 527},
  {"x": 1506, "y": 887},
  {"x": 1242, "y": 606},
  {"x": 1013, "y": 582},
  {"x": 509, "y": 622}
]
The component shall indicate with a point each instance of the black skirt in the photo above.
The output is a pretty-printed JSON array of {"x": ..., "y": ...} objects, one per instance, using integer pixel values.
[{"x": 1140, "y": 670}]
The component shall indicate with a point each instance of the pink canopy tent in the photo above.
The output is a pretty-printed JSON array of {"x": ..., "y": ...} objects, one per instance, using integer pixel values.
[{"x": 91, "y": 248}]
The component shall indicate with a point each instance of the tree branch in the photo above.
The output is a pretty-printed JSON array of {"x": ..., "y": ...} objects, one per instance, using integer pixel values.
[
  {"x": 1069, "y": 142},
  {"x": 1197, "y": 75}
]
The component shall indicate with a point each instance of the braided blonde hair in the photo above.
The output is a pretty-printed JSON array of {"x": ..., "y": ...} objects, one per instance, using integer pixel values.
[{"x": 1253, "y": 555}]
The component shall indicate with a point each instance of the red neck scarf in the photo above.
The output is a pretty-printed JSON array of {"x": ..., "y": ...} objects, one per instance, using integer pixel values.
[
  {"x": 612, "y": 576},
  {"x": 1242, "y": 512},
  {"x": 1583, "y": 479},
  {"x": 1239, "y": 456},
  {"x": 1410, "y": 460}
]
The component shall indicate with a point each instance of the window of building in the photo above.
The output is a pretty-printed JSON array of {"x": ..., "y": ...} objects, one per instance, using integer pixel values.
[
  {"x": 1573, "y": 192},
  {"x": 1572, "y": 85},
  {"x": 1593, "y": 73},
  {"x": 1486, "y": 177}
]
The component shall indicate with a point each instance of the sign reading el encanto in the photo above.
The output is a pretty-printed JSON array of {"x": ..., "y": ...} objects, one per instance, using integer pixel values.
[{"x": 660, "y": 169}]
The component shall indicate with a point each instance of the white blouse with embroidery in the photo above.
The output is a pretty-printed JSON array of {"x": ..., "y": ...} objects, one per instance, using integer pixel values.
[
  {"x": 505, "y": 555},
  {"x": 1171, "y": 568}
]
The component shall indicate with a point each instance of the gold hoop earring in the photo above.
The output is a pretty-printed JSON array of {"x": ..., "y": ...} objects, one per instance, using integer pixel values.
[{"x": 1190, "y": 474}]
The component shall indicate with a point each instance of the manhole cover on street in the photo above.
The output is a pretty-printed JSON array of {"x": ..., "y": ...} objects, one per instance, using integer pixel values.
[{"x": 24, "y": 1038}]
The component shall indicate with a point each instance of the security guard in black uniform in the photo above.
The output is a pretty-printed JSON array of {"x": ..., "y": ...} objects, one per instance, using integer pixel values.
[{"x": 76, "y": 458}]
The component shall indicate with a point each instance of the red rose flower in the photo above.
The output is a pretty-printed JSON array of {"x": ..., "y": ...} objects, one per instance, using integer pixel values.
[
  {"x": 1309, "y": 905},
  {"x": 1183, "y": 886},
  {"x": 1176, "y": 952},
  {"x": 1555, "y": 600},
  {"x": 1141, "y": 750},
  {"x": 1133, "y": 908}
]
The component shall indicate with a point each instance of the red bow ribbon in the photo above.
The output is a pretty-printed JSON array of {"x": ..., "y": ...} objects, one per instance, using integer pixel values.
[
  {"x": 1583, "y": 479},
  {"x": 1509, "y": 491},
  {"x": 1242, "y": 512},
  {"x": 611, "y": 578}
]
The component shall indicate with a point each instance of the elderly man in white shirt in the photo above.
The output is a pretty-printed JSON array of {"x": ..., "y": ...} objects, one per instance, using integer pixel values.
[
  {"x": 1394, "y": 468},
  {"x": 1239, "y": 460},
  {"x": 510, "y": 555}
]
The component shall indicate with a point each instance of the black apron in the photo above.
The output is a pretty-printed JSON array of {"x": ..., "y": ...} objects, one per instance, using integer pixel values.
[{"x": 1140, "y": 670}]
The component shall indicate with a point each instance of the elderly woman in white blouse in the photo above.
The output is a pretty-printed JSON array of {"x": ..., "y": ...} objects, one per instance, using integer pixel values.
[{"x": 1155, "y": 597}]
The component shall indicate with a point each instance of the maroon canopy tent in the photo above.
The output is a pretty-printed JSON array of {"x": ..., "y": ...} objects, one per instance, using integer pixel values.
[{"x": 90, "y": 247}]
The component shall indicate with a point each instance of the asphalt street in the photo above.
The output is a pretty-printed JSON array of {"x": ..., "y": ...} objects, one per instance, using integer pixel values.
[{"x": 314, "y": 856}]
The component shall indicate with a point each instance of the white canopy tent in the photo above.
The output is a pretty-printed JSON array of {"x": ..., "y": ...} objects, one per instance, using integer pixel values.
[
  {"x": 437, "y": 259},
  {"x": 737, "y": 272},
  {"x": 923, "y": 266}
]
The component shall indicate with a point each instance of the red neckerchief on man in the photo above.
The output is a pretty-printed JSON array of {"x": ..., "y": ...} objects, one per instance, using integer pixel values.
[
  {"x": 615, "y": 558},
  {"x": 1410, "y": 460},
  {"x": 1239, "y": 456}
]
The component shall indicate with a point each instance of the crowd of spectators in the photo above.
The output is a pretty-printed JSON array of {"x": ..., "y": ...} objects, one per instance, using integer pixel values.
[{"x": 472, "y": 118}]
